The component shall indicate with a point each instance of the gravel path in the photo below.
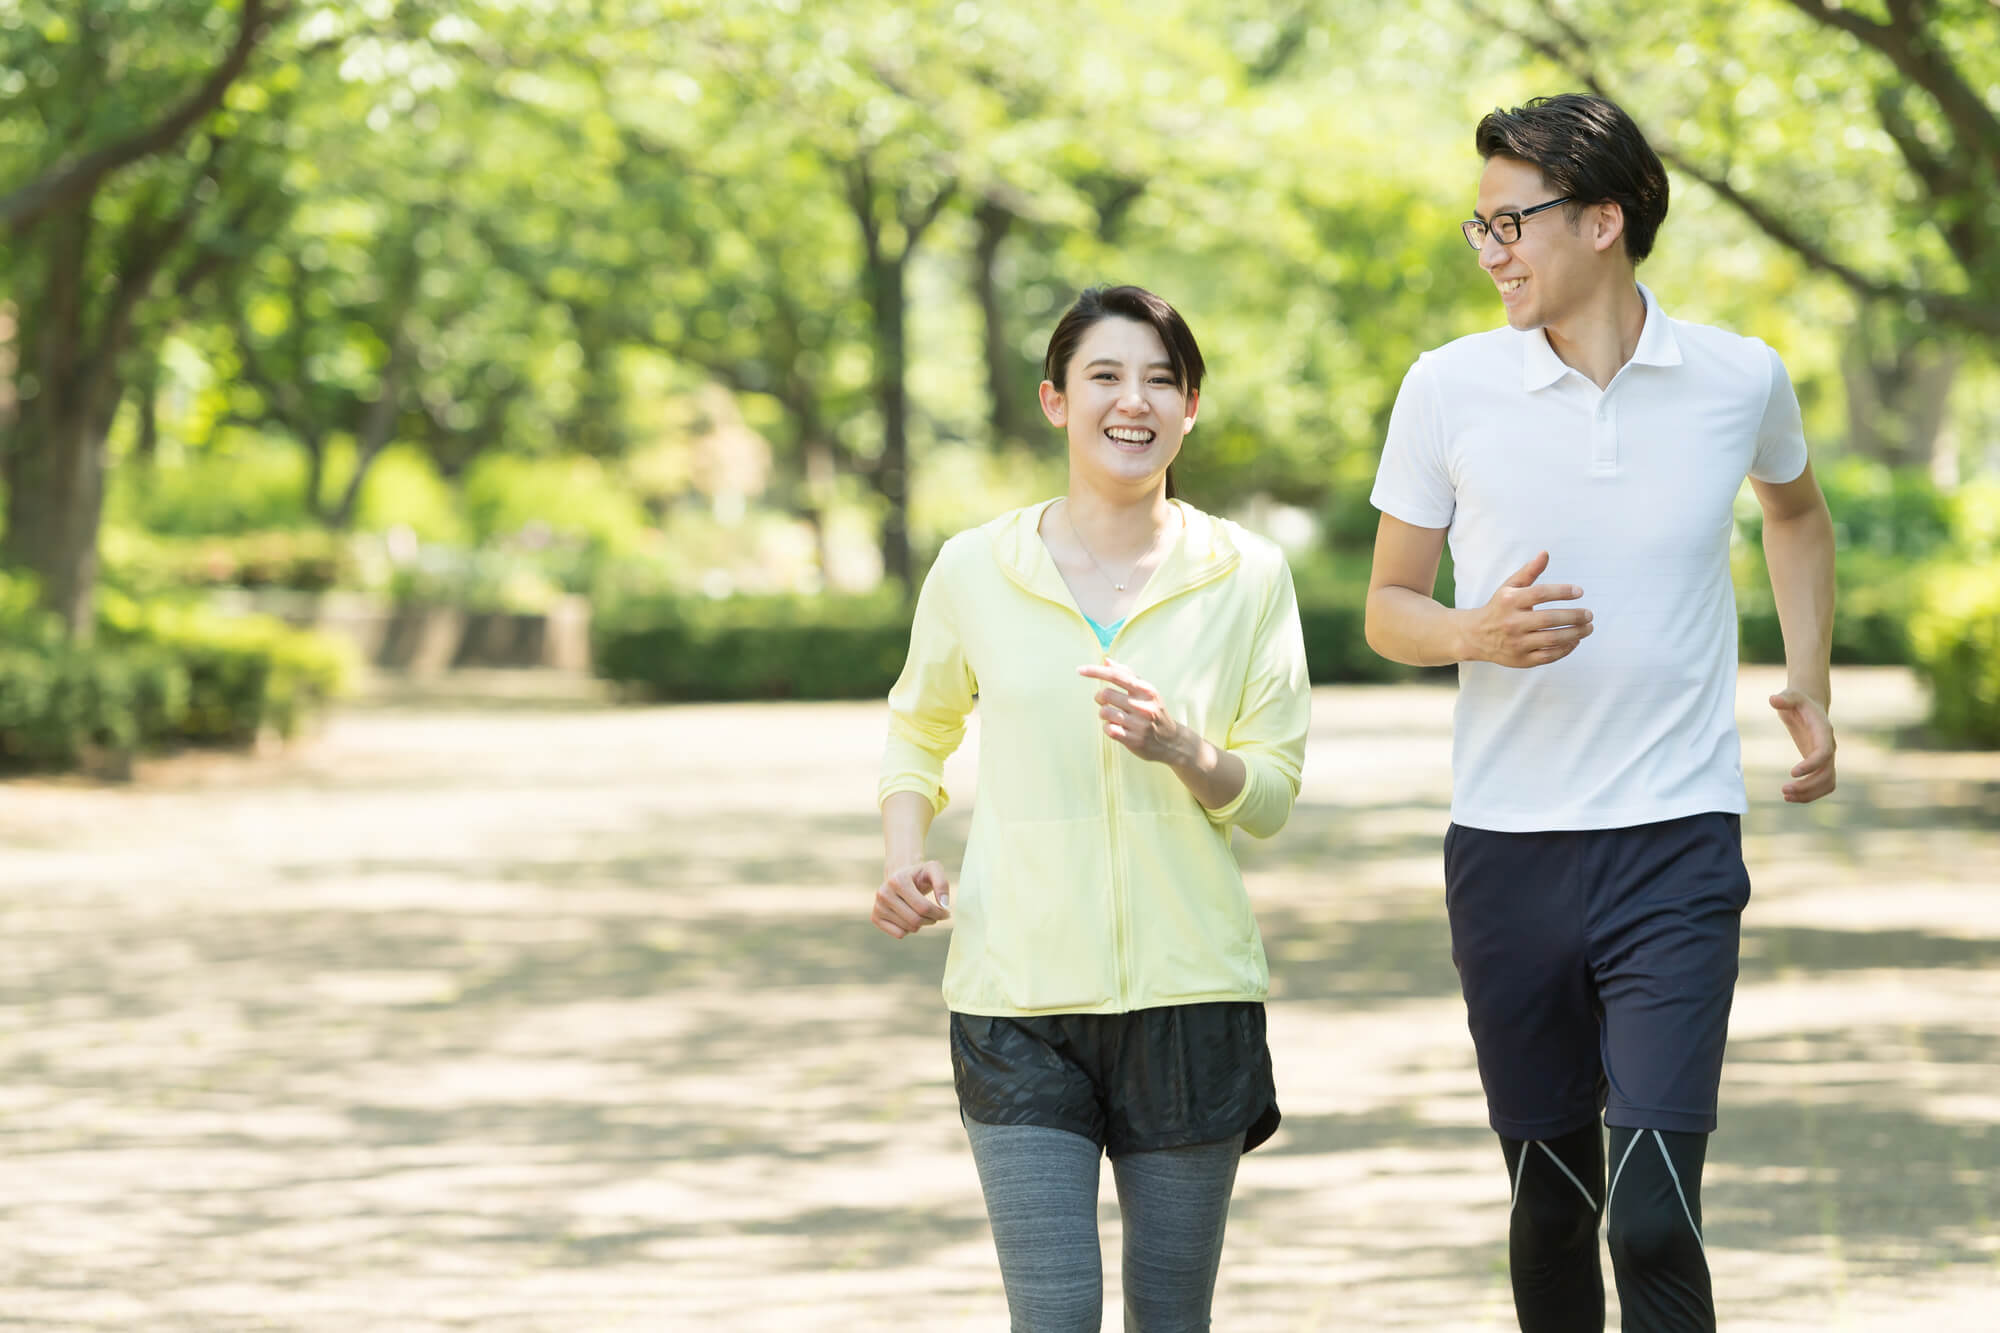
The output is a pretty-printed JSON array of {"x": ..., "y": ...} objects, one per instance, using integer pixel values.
[{"x": 522, "y": 1016}]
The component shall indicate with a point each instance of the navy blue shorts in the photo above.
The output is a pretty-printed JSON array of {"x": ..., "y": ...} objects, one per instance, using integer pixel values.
[{"x": 1598, "y": 967}]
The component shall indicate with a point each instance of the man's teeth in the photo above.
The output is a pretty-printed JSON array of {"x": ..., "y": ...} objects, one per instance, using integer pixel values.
[
  {"x": 1511, "y": 284},
  {"x": 1129, "y": 436}
]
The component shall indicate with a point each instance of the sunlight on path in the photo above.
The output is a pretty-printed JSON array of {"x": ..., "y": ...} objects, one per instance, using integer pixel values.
[{"x": 570, "y": 1018}]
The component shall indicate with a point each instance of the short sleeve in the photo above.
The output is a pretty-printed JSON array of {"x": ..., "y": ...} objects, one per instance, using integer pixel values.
[
  {"x": 1781, "y": 436},
  {"x": 1412, "y": 482}
]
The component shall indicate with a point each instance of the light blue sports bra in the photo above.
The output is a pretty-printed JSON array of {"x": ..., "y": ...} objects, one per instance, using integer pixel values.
[{"x": 1105, "y": 633}]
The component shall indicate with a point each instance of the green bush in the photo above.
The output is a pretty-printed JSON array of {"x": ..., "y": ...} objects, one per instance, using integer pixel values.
[
  {"x": 1955, "y": 641},
  {"x": 255, "y": 485},
  {"x": 1871, "y": 610},
  {"x": 755, "y": 648},
  {"x": 153, "y": 677},
  {"x": 853, "y": 647},
  {"x": 306, "y": 559}
]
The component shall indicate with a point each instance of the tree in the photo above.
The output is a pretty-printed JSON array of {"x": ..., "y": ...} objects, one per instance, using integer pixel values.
[
  {"x": 1855, "y": 138},
  {"x": 91, "y": 233}
]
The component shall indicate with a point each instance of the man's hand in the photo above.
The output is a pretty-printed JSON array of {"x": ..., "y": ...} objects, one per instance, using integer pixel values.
[
  {"x": 911, "y": 898},
  {"x": 1812, "y": 732},
  {"x": 1510, "y": 631}
]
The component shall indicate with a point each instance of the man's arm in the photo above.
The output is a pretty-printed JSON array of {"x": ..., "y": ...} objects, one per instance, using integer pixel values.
[
  {"x": 1798, "y": 549},
  {"x": 1404, "y": 623}
]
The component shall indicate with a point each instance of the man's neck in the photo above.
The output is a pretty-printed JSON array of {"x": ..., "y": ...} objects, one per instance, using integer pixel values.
[{"x": 1598, "y": 338}]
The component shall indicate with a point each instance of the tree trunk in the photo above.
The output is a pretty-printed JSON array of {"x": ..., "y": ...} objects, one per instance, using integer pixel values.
[
  {"x": 55, "y": 496},
  {"x": 378, "y": 429},
  {"x": 145, "y": 397},
  {"x": 887, "y": 304},
  {"x": 53, "y": 452},
  {"x": 1897, "y": 396},
  {"x": 1007, "y": 414}
]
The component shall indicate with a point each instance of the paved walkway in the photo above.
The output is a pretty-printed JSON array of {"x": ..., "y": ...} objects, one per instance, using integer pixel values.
[{"x": 547, "y": 1018}]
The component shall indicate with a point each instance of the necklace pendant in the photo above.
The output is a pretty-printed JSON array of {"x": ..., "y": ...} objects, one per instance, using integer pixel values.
[{"x": 1119, "y": 586}]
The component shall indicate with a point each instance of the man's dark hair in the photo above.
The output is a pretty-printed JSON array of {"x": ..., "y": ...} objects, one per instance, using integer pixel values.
[{"x": 1589, "y": 149}]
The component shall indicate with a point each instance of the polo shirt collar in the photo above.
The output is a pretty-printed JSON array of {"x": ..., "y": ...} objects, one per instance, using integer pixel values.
[{"x": 1541, "y": 367}]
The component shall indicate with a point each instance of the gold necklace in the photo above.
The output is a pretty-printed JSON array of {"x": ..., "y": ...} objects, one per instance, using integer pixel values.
[{"x": 1115, "y": 584}]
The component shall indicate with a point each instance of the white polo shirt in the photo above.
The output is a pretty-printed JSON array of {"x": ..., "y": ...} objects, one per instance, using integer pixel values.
[{"x": 1630, "y": 490}]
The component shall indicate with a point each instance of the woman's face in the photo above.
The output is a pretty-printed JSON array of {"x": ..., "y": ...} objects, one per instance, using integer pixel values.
[{"x": 1120, "y": 406}]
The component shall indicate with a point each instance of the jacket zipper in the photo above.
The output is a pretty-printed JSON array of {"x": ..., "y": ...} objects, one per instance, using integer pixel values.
[{"x": 1121, "y": 915}]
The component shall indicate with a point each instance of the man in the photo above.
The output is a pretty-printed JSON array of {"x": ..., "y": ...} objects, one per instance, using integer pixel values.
[{"x": 1583, "y": 462}]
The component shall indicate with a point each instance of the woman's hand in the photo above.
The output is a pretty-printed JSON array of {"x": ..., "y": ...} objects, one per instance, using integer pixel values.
[
  {"x": 1135, "y": 716},
  {"x": 911, "y": 898}
]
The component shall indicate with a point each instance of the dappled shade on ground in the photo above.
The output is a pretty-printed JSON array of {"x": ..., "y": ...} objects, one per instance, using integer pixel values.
[{"x": 541, "y": 1018}]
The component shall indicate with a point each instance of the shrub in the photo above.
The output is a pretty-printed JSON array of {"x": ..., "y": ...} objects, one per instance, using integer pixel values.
[
  {"x": 853, "y": 647},
  {"x": 307, "y": 559},
  {"x": 1955, "y": 638},
  {"x": 244, "y": 673},
  {"x": 1874, "y": 596},
  {"x": 153, "y": 676},
  {"x": 756, "y": 648}
]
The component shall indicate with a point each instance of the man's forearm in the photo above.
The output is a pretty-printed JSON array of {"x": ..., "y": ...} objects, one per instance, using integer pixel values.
[
  {"x": 1405, "y": 626},
  {"x": 1799, "y": 553}
]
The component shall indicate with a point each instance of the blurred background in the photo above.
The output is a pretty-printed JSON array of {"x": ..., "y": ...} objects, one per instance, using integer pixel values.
[
  {"x": 440, "y": 382},
  {"x": 669, "y": 340}
]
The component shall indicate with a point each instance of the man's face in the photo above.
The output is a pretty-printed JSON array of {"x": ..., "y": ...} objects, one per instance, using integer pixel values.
[{"x": 1542, "y": 275}]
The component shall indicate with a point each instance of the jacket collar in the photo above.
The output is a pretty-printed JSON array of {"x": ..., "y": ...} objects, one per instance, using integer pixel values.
[
  {"x": 1541, "y": 367},
  {"x": 1203, "y": 552}
]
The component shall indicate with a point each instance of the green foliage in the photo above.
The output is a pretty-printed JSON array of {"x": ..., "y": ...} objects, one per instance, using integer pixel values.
[
  {"x": 403, "y": 490},
  {"x": 153, "y": 677},
  {"x": 1888, "y": 527},
  {"x": 255, "y": 485},
  {"x": 756, "y": 648},
  {"x": 1955, "y": 638},
  {"x": 561, "y": 497},
  {"x": 1871, "y": 613},
  {"x": 308, "y": 560},
  {"x": 853, "y": 647},
  {"x": 244, "y": 674}
]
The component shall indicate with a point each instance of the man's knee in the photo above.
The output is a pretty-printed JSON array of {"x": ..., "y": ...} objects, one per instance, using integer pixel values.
[
  {"x": 1653, "y": 1237},
  {"x": 1548, "y": 1223}
]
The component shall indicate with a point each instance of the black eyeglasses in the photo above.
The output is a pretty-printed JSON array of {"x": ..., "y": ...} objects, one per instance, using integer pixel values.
[{"x": 1506, "y": 227}]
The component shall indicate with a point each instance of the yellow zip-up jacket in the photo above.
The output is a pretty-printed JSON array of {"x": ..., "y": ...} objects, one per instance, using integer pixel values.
[{"x": 1094, "y": 882}]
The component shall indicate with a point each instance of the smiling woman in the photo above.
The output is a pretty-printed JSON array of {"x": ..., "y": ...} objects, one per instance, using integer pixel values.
[{"x": 1106, "y": 977}]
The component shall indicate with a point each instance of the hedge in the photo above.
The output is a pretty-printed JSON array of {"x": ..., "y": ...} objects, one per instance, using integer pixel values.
[
  {"x": 153, "y": 677},
  {"x": 1955, "y": 641},
  {"x": 853, "y": 648}
]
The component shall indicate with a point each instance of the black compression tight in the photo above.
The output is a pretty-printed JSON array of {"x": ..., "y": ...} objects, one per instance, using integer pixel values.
[{"x": 1655, "y": 1237}]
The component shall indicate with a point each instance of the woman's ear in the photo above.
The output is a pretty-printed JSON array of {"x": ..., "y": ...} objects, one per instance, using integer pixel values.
[
  {"x": 1194, "y": 405},
  {"x": 1053, "y": 406}
]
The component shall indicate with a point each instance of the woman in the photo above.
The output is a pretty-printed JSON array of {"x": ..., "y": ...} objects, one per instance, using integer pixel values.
[{"x": 1141, "y": 675}]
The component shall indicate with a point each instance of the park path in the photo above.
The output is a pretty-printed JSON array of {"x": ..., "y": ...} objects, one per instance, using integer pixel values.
[{"x": 527, "y": 1016}]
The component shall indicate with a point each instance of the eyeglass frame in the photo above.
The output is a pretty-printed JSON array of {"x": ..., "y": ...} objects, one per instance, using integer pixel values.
[{"x": 1519, "y": 215}]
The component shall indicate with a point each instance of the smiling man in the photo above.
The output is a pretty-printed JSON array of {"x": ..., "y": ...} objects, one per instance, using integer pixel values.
[{"x": 1583, "y": 462}]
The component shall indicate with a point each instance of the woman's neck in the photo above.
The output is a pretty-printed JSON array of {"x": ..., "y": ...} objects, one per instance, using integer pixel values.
[{"x": 1119, "y": 527}]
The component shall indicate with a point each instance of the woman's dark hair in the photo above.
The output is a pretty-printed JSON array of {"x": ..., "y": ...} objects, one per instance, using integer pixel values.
[
  {"x": 1588, "y": 149},
  {"x": 1140, "y": 306}
]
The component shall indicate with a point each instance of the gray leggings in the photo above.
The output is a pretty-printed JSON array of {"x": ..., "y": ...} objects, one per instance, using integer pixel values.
[{"x": 1041, "y": 1196}]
